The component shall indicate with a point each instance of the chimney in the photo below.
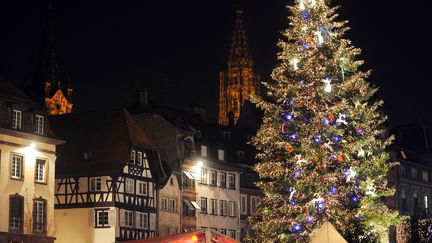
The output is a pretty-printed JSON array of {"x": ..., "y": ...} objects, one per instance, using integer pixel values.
[{"x": 199, "y": 109}]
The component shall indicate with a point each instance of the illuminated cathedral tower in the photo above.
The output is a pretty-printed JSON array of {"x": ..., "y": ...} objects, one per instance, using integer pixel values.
[
  {"x": 239, "y": 82},
  {"x": 47, "y": 85}
]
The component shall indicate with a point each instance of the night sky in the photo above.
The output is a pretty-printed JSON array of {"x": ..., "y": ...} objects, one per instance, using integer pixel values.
[{"x": 108, "y": 49}]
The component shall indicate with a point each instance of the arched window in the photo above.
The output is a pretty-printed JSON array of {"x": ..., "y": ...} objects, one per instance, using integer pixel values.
[{"x": 16, "y": 213}]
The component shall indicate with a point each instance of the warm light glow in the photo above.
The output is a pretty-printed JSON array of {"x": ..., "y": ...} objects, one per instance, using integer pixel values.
[
  {"x": 294, "y": 62},
  {"x": 199, "y": 163},
  {"x": 194, "y": 238},
  {"x": 32, "y": 145},
  {"x": 328, "y": 86},
  {"x": 320, "y": 38}
]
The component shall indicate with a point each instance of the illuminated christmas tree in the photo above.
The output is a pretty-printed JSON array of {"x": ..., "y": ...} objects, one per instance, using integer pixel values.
[{"x": 321, "y": 145}]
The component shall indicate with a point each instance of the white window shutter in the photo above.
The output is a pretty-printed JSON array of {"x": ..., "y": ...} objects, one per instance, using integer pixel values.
[
  {"x": 112, "y": 217},
  {"x": 122, "y": 217},
  {"x": 92, "y": 217},
  {"x": 152, "y": 221}
]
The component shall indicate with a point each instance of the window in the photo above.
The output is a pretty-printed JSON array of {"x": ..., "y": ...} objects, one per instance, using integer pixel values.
[
  {"x": 16, "y": 212},
  {"x": 133, "y": 156},
  {"x": 145, "y": 161},
  {"x": 16, "y": 165},
  {"x": 40, "y": 170},
  {"x": 426, "y": 202},
  {"x": 172, "y": 205},
  {"x": 213, "y": 206},
  {"x": 222, "y": 180},
  {"x": 203, "y": 205},
  {"x": 414, "y": 173},
  {"x": 39, "y": 124},
  {"x": 243, "y": 204},
  {"x": 232, "y": 233},
  {"x": 165, "y": 203},
  {"x": 204, "y": 176},
  {"x": 16, "y": 119},
  {"x": 221, "y": 154},
  {"x": 95, "y": 184},
  {"x": 142, "y": 188},
  {"x": 254, "y": 204},
  {"x": 39, "y": 215},
  {"x": 222, "y": 231},
  {"x": 142, "y": 220},
  {"x": 128, "y": 218},
  {"x": 231, "y": 209},
  {"x": 188, "y": 181},
  {"x": 402, "y": 170},
  {"x": 213, "y": 178},
  {"x": 231, "y": 181},
  {"x": 188, "y": 208},
  {"x": 425, "y": 176},
  {"x": 172, "y": 231},
  {"x": 139, "y": 158},
  {"x": 102, "y": 218},
  {"x": 240, "y": 154},
  {"x": 204, "y": 150},
  {"x": 404, "y": 200},
  {"x": 129, "y": 185},
  {"x": 223, "y": 207}
]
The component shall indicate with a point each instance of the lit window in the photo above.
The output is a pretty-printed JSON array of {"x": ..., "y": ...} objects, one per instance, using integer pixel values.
[
  {"x": 213, "y": 178},
  {"x": 243, "y": 204},
  {"x": 16, "y": 166},
  {"x": 40, "y": 170},
  {"x": 102, "y": 219},
  {"x": 204, "y": 150},
  {"x": 129, "y": 185},
  {"x": 127, "y": 218},
  {"x": 16, "y": 119},
  {"x": 139, "y": 158},
  {"x": 426, "y": 201},
  {"x": 221, "y": 154},
  {"x": 142, "y": 220},
  {"x": 173, "y": 206},
  {"x": 38, "y": 215},
  {"x": 39, "y": 128},
  {"x": 204, "y": 176},
  {"x": 232, "y": 233},
  {"x": 254, "y": 204},
  {"x": 95, "y": 184},
  {"x": 231, "y": 181},
  {"x": 425, "y": 176},
  {"x": 231, "y": 209},
  {"x": 142, "y": 188},
  {"x": 165, "y": 203}
]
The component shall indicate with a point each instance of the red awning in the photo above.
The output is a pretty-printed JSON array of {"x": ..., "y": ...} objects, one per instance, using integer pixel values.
[{"x": 197, "y": 236}]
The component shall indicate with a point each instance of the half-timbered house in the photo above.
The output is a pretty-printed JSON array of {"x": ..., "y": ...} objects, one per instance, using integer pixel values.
[
  {"x": 27, "y": 165},
  {"x": 107, "y": 178}
]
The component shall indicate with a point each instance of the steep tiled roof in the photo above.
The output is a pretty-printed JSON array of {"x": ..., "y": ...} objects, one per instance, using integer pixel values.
[
  {"x": 107, "y": 138},
  {"x": 10, "y": 93}
]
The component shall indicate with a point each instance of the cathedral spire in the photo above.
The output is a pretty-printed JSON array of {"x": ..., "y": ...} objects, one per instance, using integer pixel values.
[
  {"x": 239, "y": 53},
  {"x": 239, "y": 82},
  {"x": 47, "y": 85}
]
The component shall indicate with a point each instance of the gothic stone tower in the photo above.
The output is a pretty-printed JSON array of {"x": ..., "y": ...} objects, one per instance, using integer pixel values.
[
  {"x": 239, "y": 82},
  {"x": 47, "y": 85}
]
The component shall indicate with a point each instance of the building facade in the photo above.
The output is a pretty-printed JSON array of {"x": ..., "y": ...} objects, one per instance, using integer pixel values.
[
  {"x": 239, "y": 82},
  {"x": 107, "y": 180},
  {"x": 28, "y": 154}
]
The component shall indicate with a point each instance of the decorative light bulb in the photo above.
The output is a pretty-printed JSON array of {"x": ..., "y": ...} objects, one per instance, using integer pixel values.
[
  {"x": 320, "y": 38},
  {"x": 327, "y": 121},
  {"x": 297, "y": 228},
  {"x": 328, "y": 86},
  {"x": 294, "y": 62},
  {"x": 320, "y": 205},
  {"x": 354, "y": 198},
  {"x": 333, "y": 190},
  {"x": 288, "y": 117},
  {"x": 302, "y": 6},
  {"x": 336, "y": 138},
  {"x": 361, "y": 153},
  {"x": 317, "y": 139},
  {"x": 350, "y": 174}
]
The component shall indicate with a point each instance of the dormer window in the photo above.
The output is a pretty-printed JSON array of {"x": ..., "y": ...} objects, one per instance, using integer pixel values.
[
  {"x": 221, "y": 154},
  {"x": 39, "y": 124},
  {"x": 132, "y": 157},
  {"x": 16, "y": 119},
  {"x": 240, "y": 154},
  {"x": 204, "y": 150}
]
